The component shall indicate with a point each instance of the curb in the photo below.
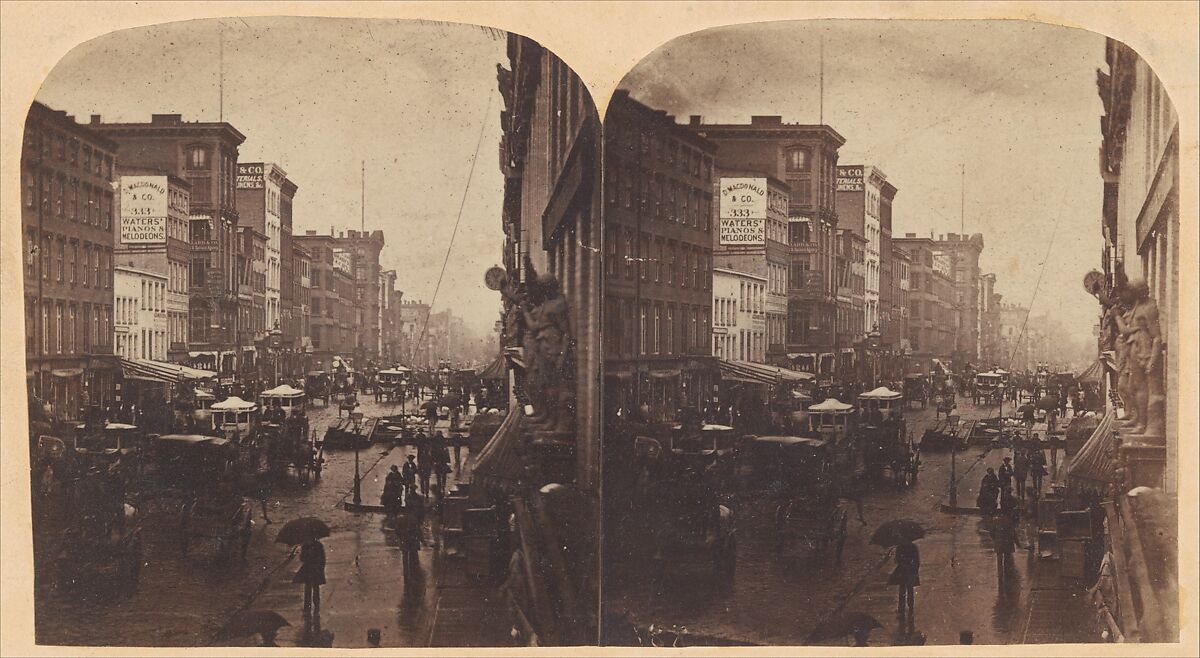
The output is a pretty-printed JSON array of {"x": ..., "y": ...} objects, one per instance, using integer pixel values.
[{"x": 948, "y": 509}]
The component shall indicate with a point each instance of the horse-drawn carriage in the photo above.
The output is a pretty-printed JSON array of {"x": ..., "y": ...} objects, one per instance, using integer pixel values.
[
  {"x": 318, "y": 386},
  {"x": 392, "y": 383},
  {"x": 291, "y": 401},
  {"x": 832, "y": 420},
  {"x": 200, "y": 472},
  {"x": 288, "y": 446},
  {"x": 916, "y": 389},
  {"x": 886, "y": 447},
  {"x": 989, "y": 388},
  {"x": 234, "y": 417},
  {"x": 798, "y": 472},
  {"x": 692, "y": 529}
]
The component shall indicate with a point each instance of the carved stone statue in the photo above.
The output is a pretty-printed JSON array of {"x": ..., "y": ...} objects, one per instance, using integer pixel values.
[
  {"x": 1123, "y": 317},
  {"x": 548, "y": 336},
  {"x": 513, "y": 318},
  {"x": 1145, "y": 360}
]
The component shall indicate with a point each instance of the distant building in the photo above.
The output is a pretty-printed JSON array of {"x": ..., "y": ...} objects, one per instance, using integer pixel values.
[
  {"x": 963, "y": 253},
  {"x": 739, "y": 315},
  {"x": 67, "y": 183},
  {"x": 415, "y": 343},
  {"x": 263, "y": 191},
  {"x": 153, "y": 235},
  {"x": 332, "y": 320},
  {"x": 860, "y": 199},
  {"x": 851, "y": 300},
  {"x": 932, "y": 318},
  {"x": 805, "y": 158},
  {"x": 204, "y": 154},
  {"x": 297, "y": 331},
  {"x": 140, "y": 314},
  {"x": 658, "y": 284}
]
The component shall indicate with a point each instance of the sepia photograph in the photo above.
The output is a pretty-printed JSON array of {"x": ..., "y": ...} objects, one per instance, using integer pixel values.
[
  {"x": 309, "y": 310},
  {"x": 890, "y": 338},
  {"x": 826, "y": 328}
]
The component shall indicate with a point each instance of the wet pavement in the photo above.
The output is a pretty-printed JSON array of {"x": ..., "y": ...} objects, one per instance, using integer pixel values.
[
  {"x": 188, "y": 601},
  {"x": 784, "y": 599}
]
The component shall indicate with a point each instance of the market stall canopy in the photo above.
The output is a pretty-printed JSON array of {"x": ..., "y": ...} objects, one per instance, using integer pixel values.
[
  {"x": 202, "y": 394},
  {"x": 760, "y": 373},
  {"x": 831, "y": 404},
  {"x": 500, "y": 463},
  {"x": 282, "y": 391},
  {"x": 494, "y": 370},
  {"x": 233, "y": 403},
  {"x": 881, "y": 393},
  {"x": 170, "y": 373}
]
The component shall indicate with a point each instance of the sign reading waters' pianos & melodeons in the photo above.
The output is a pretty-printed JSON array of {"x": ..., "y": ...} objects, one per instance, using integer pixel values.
[
  {"x": 143, "y": 209},
  {"x": 743, "y": 219}
]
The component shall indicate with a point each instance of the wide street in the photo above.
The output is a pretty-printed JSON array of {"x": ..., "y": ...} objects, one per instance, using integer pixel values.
[
  {"x": 783, "y": 599},
  {"x": 188, "y": 601}
]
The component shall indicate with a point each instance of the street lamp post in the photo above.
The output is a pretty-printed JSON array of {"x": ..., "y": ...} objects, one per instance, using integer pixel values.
[{"x": 357, "y": 475}]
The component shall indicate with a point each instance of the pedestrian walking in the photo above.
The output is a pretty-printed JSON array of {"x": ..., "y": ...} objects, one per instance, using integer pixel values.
[
  {"x": 441, "y": 460},
  {"x": 409, "y": 474},
  {"x": 424, "y": 462},
  {"x": 311, "y": 574},
  {"x": 1037, "y": 470},
  {"x": 408, "y": 532},
  {"x": 1021, "y": 472},
  {"x": 906, "y": 576},
  {"x": 1004, "y": 540},
  {"x": 988, "y": 488},
  {"x": 431, "y": 416},
  {"x": 1005, "y": 474}
]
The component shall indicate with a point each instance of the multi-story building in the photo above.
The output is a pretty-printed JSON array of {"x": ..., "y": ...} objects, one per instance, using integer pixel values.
[
  {"x": 989, "y": 322},
  {"x": 332, "y": 327},
  {"x": 891, "y": 319},
  {"x": 290, "y": 314},
  {"x": 414, "y": 335},
  {"x": 67, "y": 173},
  {"x": 932, "y": 318},
  {"x": 297, "y": 332},
  {"x": 205, "y": 155},
  {"x": 153, "y": 235},
  {"x": 739, "y": 315},
  {"x": 263, "y": 189},
  {"x": 963, "y": 254},
  {"x": 860, "y": 197},
  {"x": 804, "y": 157},
  {"x": 658, "y": 278},
  {"x": 140, "y": 314},
  {"x": 389, "y": 317},
  {"x": 364, "y": 249},
  {"x": 251, "y": 273},
  {"x": 898, "y": 329},
  {"x": 755, "y": 241},
  {"x": 851, "y": 300}
]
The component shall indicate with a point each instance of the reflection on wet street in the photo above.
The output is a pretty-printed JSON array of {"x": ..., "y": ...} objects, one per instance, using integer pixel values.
[{"x": 188, "y": 601}]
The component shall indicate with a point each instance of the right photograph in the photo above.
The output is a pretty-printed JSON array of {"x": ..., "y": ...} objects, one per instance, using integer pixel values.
[{"x": 890, "y": 338}]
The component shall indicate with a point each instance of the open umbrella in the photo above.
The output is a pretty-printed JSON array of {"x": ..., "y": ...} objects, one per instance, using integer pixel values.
[
  {"x": 847, "y": 623},
  {"x": 299, "y": 531},
  {"x": 1048, "y": 402},
  {"x": 1025, "y": 408},
  {"x": 251, "y": 622},
  {"x": 429, "y": 404},
  {"x": 898, "y": 531}
]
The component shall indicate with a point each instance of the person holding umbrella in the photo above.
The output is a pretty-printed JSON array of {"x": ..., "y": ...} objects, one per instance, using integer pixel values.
[
  {"x": 901, "y": 534},
  {"x": 306, "y": 533}
]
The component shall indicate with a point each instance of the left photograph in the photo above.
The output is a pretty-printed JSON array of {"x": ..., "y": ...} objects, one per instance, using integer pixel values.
[{"x": 311, "y": 338}]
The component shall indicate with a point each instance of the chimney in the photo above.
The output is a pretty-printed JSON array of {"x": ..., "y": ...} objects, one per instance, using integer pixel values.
[
  {"x": 760, "y": 120},
  {"x": 95, "y": 119},
  {"x": 166, "y": 119},
  {"x": 694, "y": 119}
]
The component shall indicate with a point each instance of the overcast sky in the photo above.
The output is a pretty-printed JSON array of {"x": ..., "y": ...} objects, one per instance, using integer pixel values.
[
  {"x": 1015, "y": 102},
  {"x": 320, "y": 96}
]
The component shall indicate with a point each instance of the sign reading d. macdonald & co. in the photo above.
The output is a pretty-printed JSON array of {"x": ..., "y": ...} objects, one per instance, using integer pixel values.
[
  {"x": 743, "y": 217},
  {"x": 249, "y": 176},
  {"x": 143, "y": 209}
]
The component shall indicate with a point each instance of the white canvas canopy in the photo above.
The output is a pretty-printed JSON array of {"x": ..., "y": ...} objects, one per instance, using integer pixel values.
[
  {"x": 881, "y": 393},
  {"x": 831, "y": 405},
  {"x": 233, "y": 403},
  {"x": 282, "y": 391}
]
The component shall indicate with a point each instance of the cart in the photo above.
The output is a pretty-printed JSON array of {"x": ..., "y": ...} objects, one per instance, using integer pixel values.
[
  {"x": 916, "y": 389},
  {"x": 692, "y": 530},
  {"x": 317, "y": 386},
  {"x": 886, "y": 447},
  {"x": 291, "y": 400},
  {"x": 808, "y": 513}
]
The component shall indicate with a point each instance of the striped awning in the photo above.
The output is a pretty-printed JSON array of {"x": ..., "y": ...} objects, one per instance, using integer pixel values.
[
  {"x": 497, "y": 369},
  {"x": 1096, "y": 460},
  {"x": 761, "y": 373},
  {"x": 499, "y": 463},
  {"x": 1093, "y": 374},
  {"x": 170, "y": 373}
]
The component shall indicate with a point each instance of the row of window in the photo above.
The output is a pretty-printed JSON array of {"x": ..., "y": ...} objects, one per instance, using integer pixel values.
[
  {"x": 656, "y": 328},
  {"x": 743, "y": 345},
  {"x": 65, "y": 197},
  {"x": 659, "y": 260},
  {"x": 659, "y": 197},
  {"x": 67, "y": 148},
  {"x": 63, "y": 259},
  {"x": 142, "y": 344},
  {"x": 65, "y": 327},
  {"x": 658, "y": 147}
]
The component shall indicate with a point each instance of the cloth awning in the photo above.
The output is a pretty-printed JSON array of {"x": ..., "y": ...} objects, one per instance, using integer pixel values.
[
  {"x": 282, "y": 391},
  {"x": 66, "y": 373},
  {"x": 234, "y": 403},
  {"x": 881, "y": 393},
  {"x": 832, "y": 405},
  {"x": 495, "y": 370},
  {"x": 1093, "y": 374},
  {"x": 760, "y": 373},
  {"x": 1096, "y": 460},
  {"x": 171, "y": 373},
  {"x": 499, "y": 463}
]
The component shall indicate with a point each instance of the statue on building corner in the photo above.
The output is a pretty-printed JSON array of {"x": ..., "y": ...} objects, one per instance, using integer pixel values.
[{"x": 1146, "y": 361}]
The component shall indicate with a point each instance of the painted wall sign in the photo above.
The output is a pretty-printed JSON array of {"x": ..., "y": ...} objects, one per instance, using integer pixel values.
[
  {"x": 249, "y": 177},
  {"x": 743, "y": 207},
  {"x": 850, "y": 179},
  {"x": 143, "y": 209}
]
